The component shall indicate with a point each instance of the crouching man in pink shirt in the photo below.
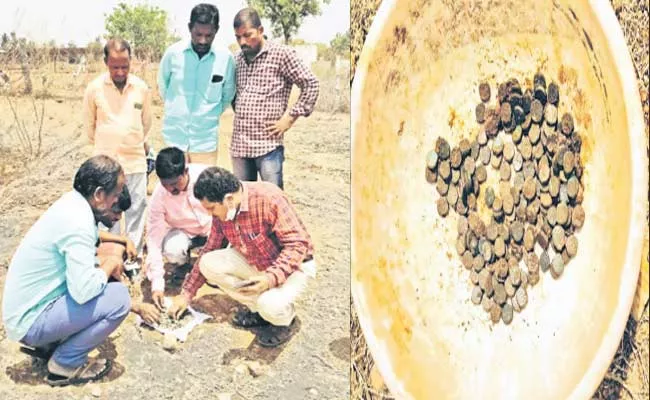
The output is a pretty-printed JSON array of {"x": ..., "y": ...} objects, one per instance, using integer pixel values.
[{"x": 177, "y": 221}]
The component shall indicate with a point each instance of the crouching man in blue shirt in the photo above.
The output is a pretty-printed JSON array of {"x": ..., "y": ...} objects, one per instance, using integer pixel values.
[{"x": 56, "y": 293}]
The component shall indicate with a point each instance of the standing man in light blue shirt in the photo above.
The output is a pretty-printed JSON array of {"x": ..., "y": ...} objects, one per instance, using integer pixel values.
[
  {"x": 57, "y": 293},
  {"x": 197, "y": 83}
]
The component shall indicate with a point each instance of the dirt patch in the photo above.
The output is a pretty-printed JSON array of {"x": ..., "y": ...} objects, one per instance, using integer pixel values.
[{"x": 216, "y": 358}]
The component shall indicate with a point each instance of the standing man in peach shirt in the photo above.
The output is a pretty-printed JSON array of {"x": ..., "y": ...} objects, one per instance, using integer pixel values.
[{"x": 117, "y": 113}]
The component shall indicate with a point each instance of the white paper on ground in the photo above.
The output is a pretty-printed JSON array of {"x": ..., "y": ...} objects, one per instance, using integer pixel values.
[{"x": 182, "y": 332}]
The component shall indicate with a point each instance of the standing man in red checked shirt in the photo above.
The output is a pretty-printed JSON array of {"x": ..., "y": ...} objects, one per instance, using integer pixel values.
[
  {"x": 265, "y": 74},
  {"x": 258, "y": 252}
]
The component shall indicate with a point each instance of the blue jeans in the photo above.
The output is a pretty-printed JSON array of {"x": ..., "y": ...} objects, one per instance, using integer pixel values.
[
  {"x": 81, "y": 327},
  {"x": 269, "y": 166}
]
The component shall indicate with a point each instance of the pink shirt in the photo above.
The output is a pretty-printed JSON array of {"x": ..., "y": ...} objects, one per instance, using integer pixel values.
[
  {"x": 119, "y": 123},
  {"x": 167, "y": 212}
]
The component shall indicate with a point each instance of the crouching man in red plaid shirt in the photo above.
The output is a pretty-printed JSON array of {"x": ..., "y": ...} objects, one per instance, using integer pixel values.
[{"x": 258, "y": 252}]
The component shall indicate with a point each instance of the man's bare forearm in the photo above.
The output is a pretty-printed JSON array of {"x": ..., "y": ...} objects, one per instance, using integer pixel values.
[{"x": 111, "y": 237}]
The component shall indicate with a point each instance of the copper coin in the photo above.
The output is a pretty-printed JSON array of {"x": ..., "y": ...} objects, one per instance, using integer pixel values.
[
  {"x": 484, "y": 92},
  {"x": 578, "y": 217},
  {"x": 550, "y": 114},
  {"x": 566, "y": 124},
  {"x": 558, "y": 238},
  {"x": 477, "y": 295},
  {"x": 442, "y": 148},
  {"x": 443, "y": 207},
  {"x": 553, "y": 93},
  {"x": 557, "y": 266},
  {"x": 572, "y": 246},
  {"x": 536, "y": 111}
]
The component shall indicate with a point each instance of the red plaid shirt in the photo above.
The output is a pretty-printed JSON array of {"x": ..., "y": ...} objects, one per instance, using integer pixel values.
[
  {"x": 263, "y": 89},
  {"x": 266, "y": 231}
]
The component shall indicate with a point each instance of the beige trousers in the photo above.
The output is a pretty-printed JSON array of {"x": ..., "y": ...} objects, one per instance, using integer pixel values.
[
  {"x": 226, "y": 267},
  {"x": 209, "y": 159}
]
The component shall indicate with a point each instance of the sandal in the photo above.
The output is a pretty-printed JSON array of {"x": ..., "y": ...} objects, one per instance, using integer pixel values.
[
  {"x": 86, "y": 373},
  {"x": 273, "y": 335},
  {"x": 248, "y": 319},
  {"x": 43, "y": 352}
]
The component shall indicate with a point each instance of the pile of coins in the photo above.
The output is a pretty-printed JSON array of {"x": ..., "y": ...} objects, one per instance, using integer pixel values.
[
  {"x": 536, "y": 209},
  {"x": 170, "y": 323}
]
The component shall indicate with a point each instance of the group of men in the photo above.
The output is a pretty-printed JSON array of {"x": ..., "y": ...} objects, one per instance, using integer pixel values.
[{"x": 65, "y": 293}]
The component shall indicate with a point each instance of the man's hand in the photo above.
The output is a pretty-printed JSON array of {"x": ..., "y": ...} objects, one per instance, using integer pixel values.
[
  {"x": 131, "y": 252},
  {"x": 118, "y": 274},
  {"x": 112, "y": 267},
  {"x": 261, "y": 285},
  {"x": 179, "y": 305},
  {"x": 148, "y": 312},
  {"x": 277, "y": 128},
  {"x": 158, "y": 298}
]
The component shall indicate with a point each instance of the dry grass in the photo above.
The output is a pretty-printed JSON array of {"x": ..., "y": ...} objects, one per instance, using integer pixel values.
[
  {"x": 60, "y": 82},
  {"x": 365, "y": 381},
  {"x": 628, "y": 375},
  {"x": 334, "y": 87},
  {"x": 362, "y": 13}
]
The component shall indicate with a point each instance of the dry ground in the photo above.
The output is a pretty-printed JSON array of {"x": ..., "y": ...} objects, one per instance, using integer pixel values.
[
  {"x": 314, "y": 364},
  {"x": 627, "y": 377}
]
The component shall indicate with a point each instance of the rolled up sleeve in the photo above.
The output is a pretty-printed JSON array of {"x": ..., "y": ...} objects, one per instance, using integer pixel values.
[
  {"x": 296, "y": 72},
  {"x": 157, "y": 229}
]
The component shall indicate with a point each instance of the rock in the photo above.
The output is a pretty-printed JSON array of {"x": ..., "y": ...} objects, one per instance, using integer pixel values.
[
  {"x": 255, "y": 368},
  {"x": 96, "y": 391},
  {"x": 169, "y": 341},
  {"x": 241, "y": 369},
  {"x": 313, "y": 392}
]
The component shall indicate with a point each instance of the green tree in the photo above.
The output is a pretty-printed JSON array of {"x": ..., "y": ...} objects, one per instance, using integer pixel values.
[
  {"x": 286, "y": 15},
  {"x": 341, "y": 44},
  {"x": 144, "y": 27}
]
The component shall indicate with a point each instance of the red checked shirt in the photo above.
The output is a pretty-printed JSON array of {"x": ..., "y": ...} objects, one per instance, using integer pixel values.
[
  {"x": 266, "y": 231},
  {"x": 263, "y": 89}
]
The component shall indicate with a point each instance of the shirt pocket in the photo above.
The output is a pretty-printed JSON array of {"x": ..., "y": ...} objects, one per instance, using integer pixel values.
[
  {"x": 214, "y": 90},
  {"x": 136, "y": 114},
  {"x": 266, "y": 80},
  {"x": 262, "y": 245}
]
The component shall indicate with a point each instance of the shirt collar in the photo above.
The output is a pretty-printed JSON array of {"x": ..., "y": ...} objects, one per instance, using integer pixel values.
[
  {"x": 109, "y": 81},
  {"x": 188, "y": 47},
  {"x": 78, "y": 197},
  {"x": 243, "y": 206},
  {"x": 265, "y": 47}
]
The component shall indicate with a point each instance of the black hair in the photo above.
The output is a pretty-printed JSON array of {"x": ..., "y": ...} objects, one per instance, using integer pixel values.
[
  {"x": 117, "y": 44},
  {"x": 170, "y": 163},
  {"x": 214, "y": 184},
  {"x": 124, "y": 200},
  {"x": 247, "y": 16},
  {"x": 98, "y": 171},
  {"x": 204, "y": 14}
]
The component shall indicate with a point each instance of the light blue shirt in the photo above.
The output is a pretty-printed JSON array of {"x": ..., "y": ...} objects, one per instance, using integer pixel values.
[
  {"x": 56, "y": 257},
  {"x": 195, "y": 92}
]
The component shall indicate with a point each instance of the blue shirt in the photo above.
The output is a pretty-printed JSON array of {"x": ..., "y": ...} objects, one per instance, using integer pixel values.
[
  {"x": 56, "y": 257},
  {"x": 195, "y": 92}
]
